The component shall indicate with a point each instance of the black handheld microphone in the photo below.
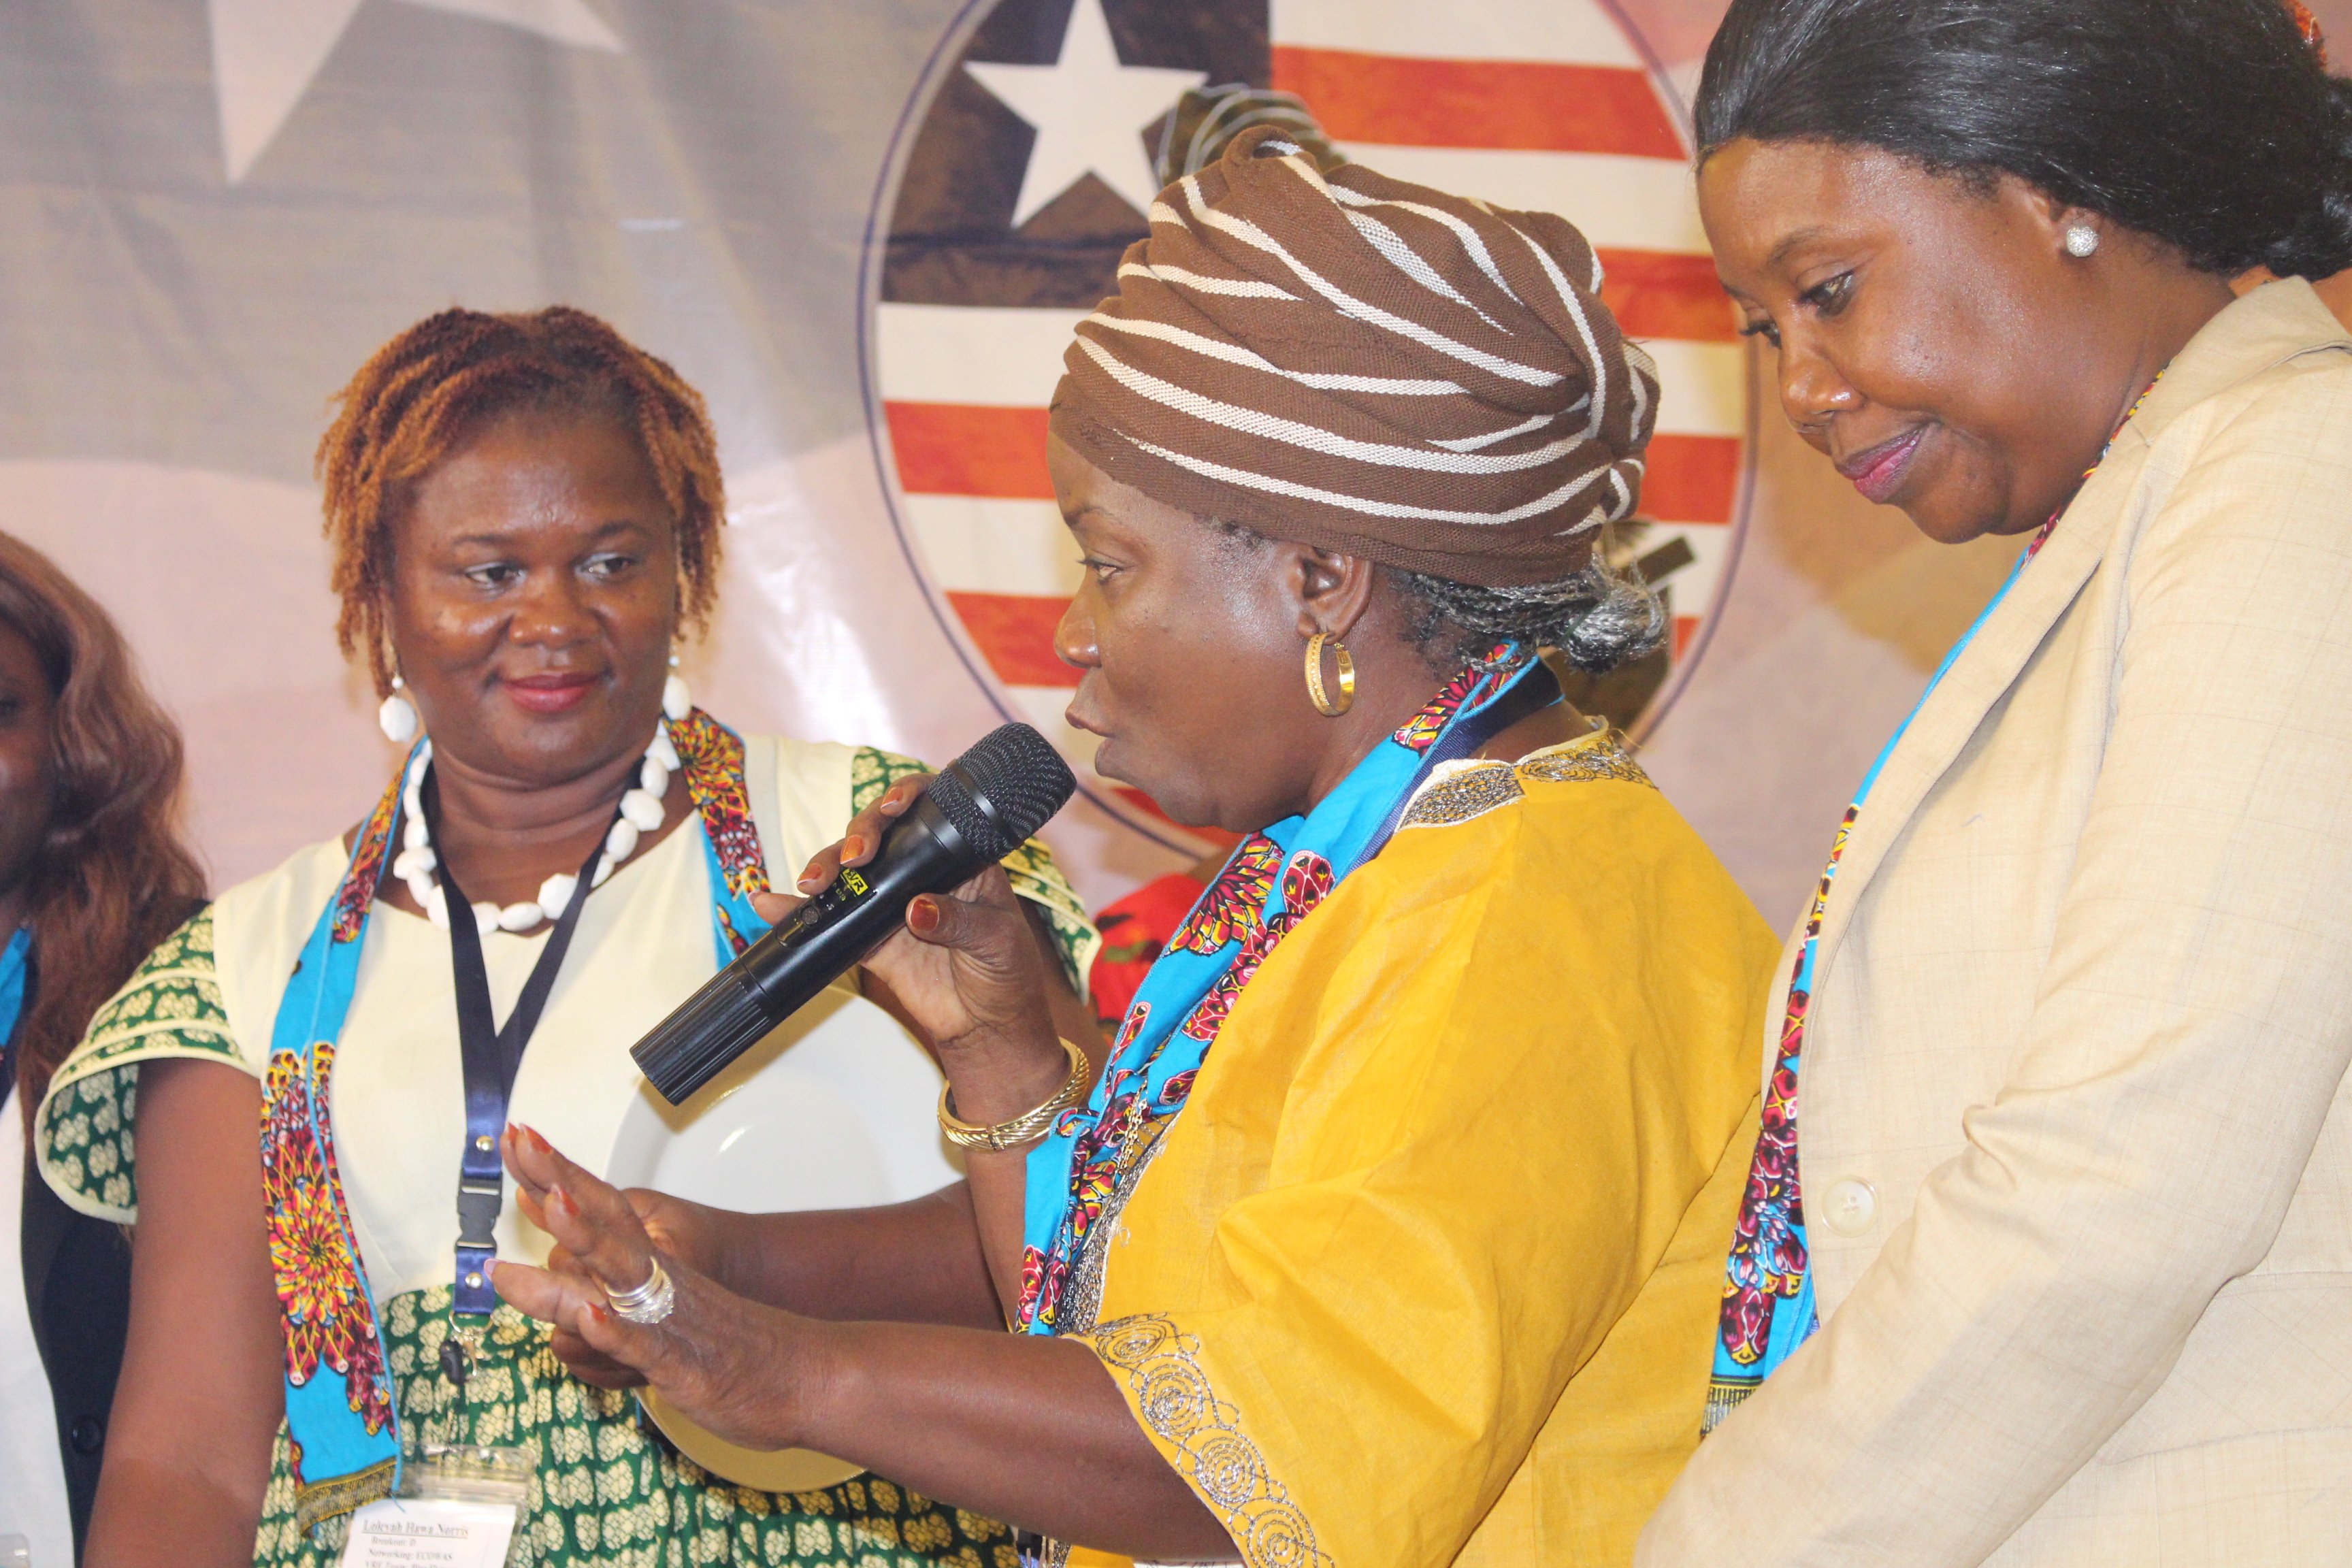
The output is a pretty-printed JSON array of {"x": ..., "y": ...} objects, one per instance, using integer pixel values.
[{"x": 975, "y": 812}]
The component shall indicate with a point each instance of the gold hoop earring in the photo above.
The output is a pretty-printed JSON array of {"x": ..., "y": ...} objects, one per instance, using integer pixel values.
[{"x": 1314, "y": 691}]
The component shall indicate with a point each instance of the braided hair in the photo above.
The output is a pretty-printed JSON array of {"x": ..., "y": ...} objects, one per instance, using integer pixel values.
[{"x": 423, "y": 395}]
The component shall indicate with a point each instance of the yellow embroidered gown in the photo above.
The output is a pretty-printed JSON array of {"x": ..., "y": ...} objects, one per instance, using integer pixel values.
[{"x": 1425, "y": 1271}]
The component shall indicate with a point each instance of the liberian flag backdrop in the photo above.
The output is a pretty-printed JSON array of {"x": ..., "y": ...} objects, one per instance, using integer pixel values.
[
  {"x": 863, "y": 228},
  {"x": 1023, "y": 174}
]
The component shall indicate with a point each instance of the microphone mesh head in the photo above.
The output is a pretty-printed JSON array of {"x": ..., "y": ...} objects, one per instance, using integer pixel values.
[{"x": 1019, "y": 777}]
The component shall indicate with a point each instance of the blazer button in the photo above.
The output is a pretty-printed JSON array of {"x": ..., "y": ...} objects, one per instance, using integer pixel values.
[
  {"x": 88, "y": 1434},
  {"x": 1850, "y": 1205}
]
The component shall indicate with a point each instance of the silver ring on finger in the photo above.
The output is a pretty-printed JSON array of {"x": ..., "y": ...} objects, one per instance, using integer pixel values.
[{"x": 648, "y": 1303}]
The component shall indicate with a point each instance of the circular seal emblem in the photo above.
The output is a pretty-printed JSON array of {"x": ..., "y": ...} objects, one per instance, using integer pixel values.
[{"x": 1023, "y": 167}]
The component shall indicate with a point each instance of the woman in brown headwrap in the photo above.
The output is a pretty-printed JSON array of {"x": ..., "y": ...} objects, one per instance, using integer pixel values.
[{"x": 1388, "y": 1244}]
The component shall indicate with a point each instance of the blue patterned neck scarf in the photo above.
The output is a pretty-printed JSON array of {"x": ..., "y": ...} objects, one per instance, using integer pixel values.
[
  {"x": 1768, "y": 1308},
  {"x": 340, "y": 1417},
  {"x": 15, "y": 967},
  {"x": 1272, "y": 879}
]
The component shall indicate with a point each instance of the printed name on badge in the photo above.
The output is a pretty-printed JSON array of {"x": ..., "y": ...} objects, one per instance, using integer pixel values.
[{"x": 436, "y": 1533}]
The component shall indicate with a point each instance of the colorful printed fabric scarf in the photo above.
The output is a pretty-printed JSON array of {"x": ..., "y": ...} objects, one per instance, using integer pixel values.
[
  {"x": 1768, "y": 1293},
  {"x": 1271, "y": 882},
  {"x": 344, "y": 1429}
]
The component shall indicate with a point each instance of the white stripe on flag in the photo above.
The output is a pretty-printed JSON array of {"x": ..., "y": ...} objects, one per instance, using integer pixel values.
[
  {"x": 975, "y": 545},
  {"x": 978, "y": 354},
  {"x": 1621, "y": 202},
  {"x": 1694, "y": 585},
  {"x": 1574, "y": 32},
  {"x": 1702, "y": 387}
]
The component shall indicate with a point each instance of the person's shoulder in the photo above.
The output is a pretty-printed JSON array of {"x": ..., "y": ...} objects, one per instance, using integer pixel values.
[
  {"x": 169, "y": 1009},
  {"x": 1574, "y": 836},
  {"x": 803, "y": 792},
  {"x": 873, "y": 769},
  {"x": 2265, "y": 462},
  {"x": 1465, "y": 791},
  {"x": 178, "y": 984},
  {"x": 278, "y": 907},
  {"x": 866, "y": 770},
  {"x": 1588, "y": 798},
  {"x": 2309, "y": 387},
  {"x": 2294, "y": 390}
]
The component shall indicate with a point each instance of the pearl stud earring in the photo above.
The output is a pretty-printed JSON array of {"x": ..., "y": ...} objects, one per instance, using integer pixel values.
[{"x": 2082, "y": 241}]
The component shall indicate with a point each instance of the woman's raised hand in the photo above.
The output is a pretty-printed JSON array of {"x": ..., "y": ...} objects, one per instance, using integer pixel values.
[
  {"x": 966, "y": 969},
  {"x": 731, "y": 1364}
]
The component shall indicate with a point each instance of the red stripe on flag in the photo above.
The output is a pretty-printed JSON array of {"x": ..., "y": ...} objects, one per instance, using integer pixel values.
[
  {"x": 1016, "y": 631},
  {"x": 1531, "y": 105},
  {"x": 946, "y": 448},
  {"x": 963, "y": 449},
  {"x": 1692, "y": 478},
  {"x": 1661, "y": 294}
]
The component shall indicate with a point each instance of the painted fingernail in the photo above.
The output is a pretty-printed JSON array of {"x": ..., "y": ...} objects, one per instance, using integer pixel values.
[
  {"x": 558, "y": 1198},
  {"x": 809, "y": 884},
  {"x": 923, "y": 914},
  {"x": 531, "y": 1135},
  {"x": 853, "y": 847}
]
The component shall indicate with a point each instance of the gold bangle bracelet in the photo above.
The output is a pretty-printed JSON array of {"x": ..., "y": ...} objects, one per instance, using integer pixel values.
[{"x": 1030, "y": 1124}]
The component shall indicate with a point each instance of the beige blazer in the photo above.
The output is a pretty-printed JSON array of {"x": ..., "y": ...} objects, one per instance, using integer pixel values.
[{"x": 2076, "y": 1133}]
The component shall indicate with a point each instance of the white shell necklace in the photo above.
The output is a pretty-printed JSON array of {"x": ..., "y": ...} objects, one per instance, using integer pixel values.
[{"x": 641, "y": 813}]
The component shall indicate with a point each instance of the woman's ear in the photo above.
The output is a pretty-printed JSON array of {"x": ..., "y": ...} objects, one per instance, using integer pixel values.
[{"x": 1334, "y": 590}]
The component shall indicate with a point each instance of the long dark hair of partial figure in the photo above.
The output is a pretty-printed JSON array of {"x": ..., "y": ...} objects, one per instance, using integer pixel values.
[{"x": 113, "y": 878}]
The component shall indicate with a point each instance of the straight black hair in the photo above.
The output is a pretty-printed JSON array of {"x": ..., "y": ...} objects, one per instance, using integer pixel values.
[{"x": 2210, "y": 125}]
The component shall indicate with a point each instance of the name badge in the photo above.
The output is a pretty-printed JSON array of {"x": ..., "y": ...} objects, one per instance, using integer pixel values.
[
  {"x": 398, "y": 1533},
  {"x": 458, "y": 1508}
]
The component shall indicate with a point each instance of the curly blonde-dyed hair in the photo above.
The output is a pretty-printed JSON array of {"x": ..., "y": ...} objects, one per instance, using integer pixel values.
[{"x": 421, "y": 395}]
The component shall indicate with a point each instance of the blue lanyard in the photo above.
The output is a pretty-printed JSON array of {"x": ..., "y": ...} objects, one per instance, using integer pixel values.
[{"x": 492, "y": 1057}]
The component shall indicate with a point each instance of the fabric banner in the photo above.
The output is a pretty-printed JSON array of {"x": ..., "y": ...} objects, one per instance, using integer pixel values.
[{"x": 863, "y": 228}]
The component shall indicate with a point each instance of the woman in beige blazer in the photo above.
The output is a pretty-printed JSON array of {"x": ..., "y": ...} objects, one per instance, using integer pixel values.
[{"x": 2047, "y": 1250}]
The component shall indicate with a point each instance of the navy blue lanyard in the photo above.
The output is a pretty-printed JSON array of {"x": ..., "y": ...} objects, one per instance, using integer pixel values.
[
  {"x": 1537, "y": 691},
  {"x": 492, "y": 1057}
]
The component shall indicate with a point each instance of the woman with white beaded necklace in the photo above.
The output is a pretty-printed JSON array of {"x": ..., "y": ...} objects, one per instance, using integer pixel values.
[{"x": 525, "y": 513}]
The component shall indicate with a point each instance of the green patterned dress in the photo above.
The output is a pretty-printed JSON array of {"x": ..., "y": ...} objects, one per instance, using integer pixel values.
[{"x": 607, "y": 1489}]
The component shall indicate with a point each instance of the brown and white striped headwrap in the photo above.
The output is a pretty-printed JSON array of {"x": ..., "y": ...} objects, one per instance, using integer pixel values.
[{"x": 1364, "y": 365}]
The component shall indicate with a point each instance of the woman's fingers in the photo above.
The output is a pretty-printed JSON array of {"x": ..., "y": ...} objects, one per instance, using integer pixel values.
[
  {"x": 536, "y": 1164},
  {"x": 557, "y": 1297},
  {"x": 643, "y": 1347},
  {"x": 565, "y": 1261},
  {"x": 593, "y": 1219},
  {"x": 980, "y": 919},
  {"x": 532, "y": 1171},
  {"x": 613, "y": 1247},
  {"x": 775, "y": 908},
  {"x": 591, "y": 1365},
  {"x": 823, "y": 868},
  {"x": 543, "y": 1293},
  {"x": 864, "y": 835},
  {"x": 724, "y": 1361}
]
